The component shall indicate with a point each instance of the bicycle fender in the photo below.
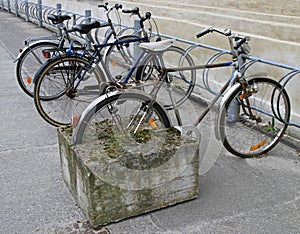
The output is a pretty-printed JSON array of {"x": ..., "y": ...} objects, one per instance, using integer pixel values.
[
  {"x": 27, "y": 47},
  {"x": 78, "y": 122},
  {"x": 24, "y": 49},
  {"x": 221, "y": 107},
  {"x": 100, "y": 99}
]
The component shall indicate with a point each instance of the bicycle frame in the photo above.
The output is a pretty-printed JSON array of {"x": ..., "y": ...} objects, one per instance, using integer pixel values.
[
  {"x": 97, "y": 57},
  {"x": 230, "y": 82}
]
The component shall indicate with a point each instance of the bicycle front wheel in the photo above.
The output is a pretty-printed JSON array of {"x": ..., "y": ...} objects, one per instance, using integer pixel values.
[
  {"x": 127, "y": 113},
  {"x": 54, "y": 95},
  {"x": 246, "y": 136},
  {"x": 29, "y": 62}
]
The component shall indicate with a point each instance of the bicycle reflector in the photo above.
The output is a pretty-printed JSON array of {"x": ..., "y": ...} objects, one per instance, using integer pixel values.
[
  {"x": 114, "y": 62},
  {"x": 152, "y": 123},
  {"x": 46, "y": 53},
  {"x": 29, "y": 80},
  {"x": 257, "y": 146}
]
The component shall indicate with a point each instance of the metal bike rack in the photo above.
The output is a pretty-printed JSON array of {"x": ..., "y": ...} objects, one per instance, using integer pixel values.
[{"x": 38, "y": 13}]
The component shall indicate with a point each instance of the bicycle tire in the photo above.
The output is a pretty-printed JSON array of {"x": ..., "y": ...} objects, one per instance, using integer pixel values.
[
  {"x": 52, "y": 96},
  {"x": 119, "y": 58},
  {"x": 183, "y": 82},
  {"x": 29, "y": 62},
  {"x": 123, "y": 105},
  {"x": 243, "y": 136}
]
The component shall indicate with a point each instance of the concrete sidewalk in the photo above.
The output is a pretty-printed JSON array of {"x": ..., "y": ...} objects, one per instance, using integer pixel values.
[{"x": 260, "y": 195}]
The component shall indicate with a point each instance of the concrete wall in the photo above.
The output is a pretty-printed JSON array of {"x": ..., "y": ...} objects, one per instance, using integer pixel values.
[{"x": 273, "y": 26}]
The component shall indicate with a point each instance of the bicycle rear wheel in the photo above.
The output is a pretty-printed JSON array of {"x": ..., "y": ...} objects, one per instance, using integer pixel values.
[
  {"x": 183, "y": 82},
  {"x": 126, "y": 113},
  {"x": 29, "y": 62},
  {"x": 247, "y": 137},
  {"x": 54, "y": 97}
]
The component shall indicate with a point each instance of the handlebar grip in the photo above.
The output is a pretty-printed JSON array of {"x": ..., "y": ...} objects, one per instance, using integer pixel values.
[
  {"x": 204, "y": 32},
  {"x": 103, "y": 5},
  {"x": 238, "y": 44},
  {"x": 135, "y": 11},
  {"x": 127, "y": 11}
]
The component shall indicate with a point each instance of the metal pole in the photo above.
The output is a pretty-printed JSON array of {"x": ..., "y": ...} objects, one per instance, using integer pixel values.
[
  {"x": 137, "y": 31},
  {"x": 26, "y": 11},
  {"x": 40, "y": 14},
  {"x": 8, "y": 6},
  {"x": 58, "y": 7},
  {"x": 88, "y": 14},
  {"x": 2, "y": 4},
  {"x": 17, "y": 8},
  {"x": 233, "y": 111}
]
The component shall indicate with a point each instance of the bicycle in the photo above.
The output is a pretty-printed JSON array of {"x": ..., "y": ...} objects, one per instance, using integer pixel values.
[
  {"x": 38, "y": 50},
  {"x": 72, "y": 71},
  {"x": 247, "y": 123},
  {"x": 31, "y": 57}
]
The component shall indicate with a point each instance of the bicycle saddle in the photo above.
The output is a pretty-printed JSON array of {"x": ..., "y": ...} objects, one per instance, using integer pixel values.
[
  {"x": 157, "y": 46},
  {"x": 57, "y": 19},
  {"x": 85, "y": 28}
]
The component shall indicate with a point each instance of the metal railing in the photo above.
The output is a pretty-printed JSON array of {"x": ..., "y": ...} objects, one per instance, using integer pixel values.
[{"x": 37, "y": 12}]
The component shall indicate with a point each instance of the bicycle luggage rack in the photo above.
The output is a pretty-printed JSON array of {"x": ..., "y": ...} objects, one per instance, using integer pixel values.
[{"x": 39, "y": 13}]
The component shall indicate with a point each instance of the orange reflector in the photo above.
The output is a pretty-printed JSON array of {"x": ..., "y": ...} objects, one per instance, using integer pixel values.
[
  {"x": 257, "y": 146},
  {"x": 114, "y": 62},
  {"x": 29, "y": 80},
  {"x": 152, "y": 123}
]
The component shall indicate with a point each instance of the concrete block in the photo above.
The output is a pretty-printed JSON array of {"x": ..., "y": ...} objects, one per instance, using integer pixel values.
[{"x": 144, "y": 178}]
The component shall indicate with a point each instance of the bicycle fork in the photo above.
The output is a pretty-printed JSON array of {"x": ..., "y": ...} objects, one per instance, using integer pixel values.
[{"x": 245, "y": 96}]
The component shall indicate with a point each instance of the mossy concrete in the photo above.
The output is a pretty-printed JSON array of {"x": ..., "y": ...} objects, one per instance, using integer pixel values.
[{"x": 107, "y": 191}]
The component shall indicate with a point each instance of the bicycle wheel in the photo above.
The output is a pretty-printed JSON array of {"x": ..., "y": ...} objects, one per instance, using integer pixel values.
[
  {"x": 126, "y": 113},
  {"x": 29, "y": 62},
  {"x": 248, "y": 137},
  {"x": 119, "y": 58},
  {"x": 54, "y": 97},
  {"x": 183, "y": 82}
]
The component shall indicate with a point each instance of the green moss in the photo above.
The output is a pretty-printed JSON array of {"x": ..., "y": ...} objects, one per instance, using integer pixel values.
[{"x": 146, "y": 149}]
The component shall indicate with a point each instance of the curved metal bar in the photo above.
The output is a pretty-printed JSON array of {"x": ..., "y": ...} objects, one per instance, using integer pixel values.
[{"x": 205, "y": 77}]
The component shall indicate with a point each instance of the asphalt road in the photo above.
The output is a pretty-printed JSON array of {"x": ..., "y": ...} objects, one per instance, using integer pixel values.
[{"x": 260, "y": 195}]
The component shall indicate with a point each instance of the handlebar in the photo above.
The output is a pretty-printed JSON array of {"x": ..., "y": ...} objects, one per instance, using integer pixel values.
[
  {"x": 204, "y": 32},
  {"x": 226, "y": 32},
  {"x": 240, "y": 40},
  {"x": 107, "y": 8},
  {"x": 134, "y": 11}
]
